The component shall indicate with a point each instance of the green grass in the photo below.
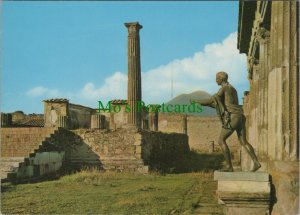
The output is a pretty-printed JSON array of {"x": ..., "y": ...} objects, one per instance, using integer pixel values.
[
  {"x": 91, "y": 192},
  {"x": 189, "y": 191}
]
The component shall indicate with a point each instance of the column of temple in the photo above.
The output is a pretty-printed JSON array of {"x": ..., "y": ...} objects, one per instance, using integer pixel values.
[
  {"x": 134, "y": 73},
  {"x": 283, "y": 80},
  {"x": 262, "y": 37}
]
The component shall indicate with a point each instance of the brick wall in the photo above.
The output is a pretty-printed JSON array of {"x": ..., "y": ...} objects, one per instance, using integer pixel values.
[{"x": 19, "y": 142}]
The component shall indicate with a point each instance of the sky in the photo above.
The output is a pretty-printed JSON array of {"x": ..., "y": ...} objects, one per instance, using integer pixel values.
[{"x": 78, "y": 50}]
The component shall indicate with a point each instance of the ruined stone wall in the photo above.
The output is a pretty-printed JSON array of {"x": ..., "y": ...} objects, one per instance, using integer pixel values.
[
  {"x": 200, "y": 130},
  {"x": 159, "y": 148},
  {"x": 119, "y": 117},
  {"x": 19, "y": 142},
  {"x": 127, "y": 149},
  {"x": 113, "y": 149},
  {"x": 79, "y": 116}
]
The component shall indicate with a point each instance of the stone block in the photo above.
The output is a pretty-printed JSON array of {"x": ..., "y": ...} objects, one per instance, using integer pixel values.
[
  {"x": 244, "y": 186},
  {"x": 143, "y": 169},
  {"x": 241, "y": 176},
  {"x": 246, "y": 193},
  {"x": 138, "y": 149}
]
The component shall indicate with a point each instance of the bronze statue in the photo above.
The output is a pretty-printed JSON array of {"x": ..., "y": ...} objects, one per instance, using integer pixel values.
[{"x": 232, "y": 117}]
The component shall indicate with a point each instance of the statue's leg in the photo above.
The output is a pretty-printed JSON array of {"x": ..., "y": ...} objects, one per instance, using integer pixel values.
[
  {"x": 241, "y": 132},
  {"x": 225, "y": 133}
]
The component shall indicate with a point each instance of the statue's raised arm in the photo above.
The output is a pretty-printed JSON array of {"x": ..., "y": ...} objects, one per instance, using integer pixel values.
[{"x": 205, "y": 102}]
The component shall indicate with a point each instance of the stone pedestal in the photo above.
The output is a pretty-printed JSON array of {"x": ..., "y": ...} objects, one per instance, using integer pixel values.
[{"x": 246, "y": 193}]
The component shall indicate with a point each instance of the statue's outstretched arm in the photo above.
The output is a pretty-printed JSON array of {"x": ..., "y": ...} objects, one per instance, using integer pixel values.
[{"x": 205, "y": 102}]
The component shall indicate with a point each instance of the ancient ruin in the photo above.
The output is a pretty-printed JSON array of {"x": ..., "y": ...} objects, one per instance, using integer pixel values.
[
  {"x": 134, "y": 73},
  {"x": 71, "y": 136},
  {"x": 268, "y": 33}
]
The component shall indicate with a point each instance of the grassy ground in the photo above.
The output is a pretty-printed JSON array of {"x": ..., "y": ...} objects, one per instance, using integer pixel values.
[{"x": 93, "y": 192}]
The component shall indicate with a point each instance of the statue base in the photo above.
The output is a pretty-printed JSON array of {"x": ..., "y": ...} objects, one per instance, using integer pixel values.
[{"x": 246, "y": 193}]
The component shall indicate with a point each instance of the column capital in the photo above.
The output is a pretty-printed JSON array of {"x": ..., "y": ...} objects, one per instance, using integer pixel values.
[{"x": 133, "y": 27}]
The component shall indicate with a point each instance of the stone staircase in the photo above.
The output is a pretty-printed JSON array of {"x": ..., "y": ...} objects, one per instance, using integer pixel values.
[{"x": 11, "y": 165}]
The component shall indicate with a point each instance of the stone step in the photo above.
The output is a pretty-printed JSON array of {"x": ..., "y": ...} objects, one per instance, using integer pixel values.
[{"x": 9, "y": 164}]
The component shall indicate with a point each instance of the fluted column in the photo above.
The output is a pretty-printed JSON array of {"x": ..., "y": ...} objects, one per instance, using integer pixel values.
[
  {"x": 134, "y": 73},
  {"x": 283, "y": 103},
  {"x": 63, "y": 121},
  {"x": 263, "y": 37}
]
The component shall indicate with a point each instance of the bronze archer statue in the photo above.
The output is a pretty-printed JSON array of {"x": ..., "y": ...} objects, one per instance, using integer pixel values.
[{"x": 231, "y": 114}]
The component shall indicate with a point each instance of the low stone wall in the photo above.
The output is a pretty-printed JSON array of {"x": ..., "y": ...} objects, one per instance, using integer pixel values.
[
  {"x": 159, "y": 149},
  {"x": 202, "y": 132},
  {"x": 127, "y": 149},
  {"x": 19, "y": 142},
  {"x": 113, "y": 150}
]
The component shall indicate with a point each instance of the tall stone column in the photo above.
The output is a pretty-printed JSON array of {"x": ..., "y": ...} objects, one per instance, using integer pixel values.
[
  {"x": 134, "y": 73},
  {"x": 283, "y": 84}
]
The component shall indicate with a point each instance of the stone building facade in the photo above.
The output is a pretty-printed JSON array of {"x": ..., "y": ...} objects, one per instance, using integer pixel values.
[
  {"x": 61, "y": 113},
  {"x": 268, "y": 33}
]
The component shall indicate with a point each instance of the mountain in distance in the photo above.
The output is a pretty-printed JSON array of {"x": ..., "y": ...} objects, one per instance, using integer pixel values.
[{"x": 185, "y": 99}]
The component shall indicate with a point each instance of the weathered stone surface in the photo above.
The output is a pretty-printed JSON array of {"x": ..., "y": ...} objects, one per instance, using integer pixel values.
[
  {"x": 129, "y": 149},
  {"x": 269, "y": 35},
  {"x": 134, "y": 73},
  {"x": 201, "y": 131},
  {"x": 244, "y": 186},
  {"x": 244, "y": 192},
  {"x": 242, "y": 176},
  {"x": 19, "y": 142},
  {"x": 61, "y": 113}
]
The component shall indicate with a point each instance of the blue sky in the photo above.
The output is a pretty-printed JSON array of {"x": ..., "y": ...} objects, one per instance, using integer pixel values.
[{"x": 78, "y": 50}]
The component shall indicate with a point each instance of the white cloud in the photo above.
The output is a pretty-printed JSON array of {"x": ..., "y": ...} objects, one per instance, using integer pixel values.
[
  {"x": 192, "y": 73},
  {"x": 196, "y": 72},
  {"x": 114, "y": 88},
  {"x": 42, "y": 91}
]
